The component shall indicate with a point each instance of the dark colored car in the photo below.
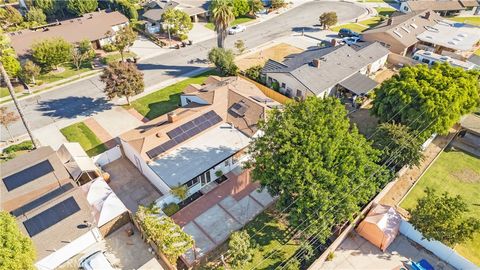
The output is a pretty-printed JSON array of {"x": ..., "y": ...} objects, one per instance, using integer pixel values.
[{"x": 344, "y": 32}]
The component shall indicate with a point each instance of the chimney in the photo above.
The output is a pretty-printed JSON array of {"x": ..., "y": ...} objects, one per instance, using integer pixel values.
[
  {"x": 390, "y": 21},
  {"x": 316, "y": 63},
  {"x": 427, "y": 15},
  {"x": 172, "y": 117},
  {"x": 334, "y": 42}
]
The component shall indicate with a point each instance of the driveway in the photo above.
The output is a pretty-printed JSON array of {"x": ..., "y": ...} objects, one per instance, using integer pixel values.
[
  {"x": 131, "y": 187},
  {"x": 86, "y": 98},
  {"x": 213, "y": 217}
]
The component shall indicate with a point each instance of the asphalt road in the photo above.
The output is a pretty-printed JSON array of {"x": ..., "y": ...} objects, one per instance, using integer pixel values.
[{"x": 85, "y": 98}]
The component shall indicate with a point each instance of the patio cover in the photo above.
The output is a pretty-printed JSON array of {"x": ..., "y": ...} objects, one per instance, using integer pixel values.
[
  {"x": 359, "y": 84},
  {"x": 381, "y": 226},
  {"x": 75, "y": 159},
  {"x": 105, "y": 203}
]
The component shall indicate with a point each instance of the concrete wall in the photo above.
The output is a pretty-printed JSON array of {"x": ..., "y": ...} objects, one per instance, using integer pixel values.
[
  {"x": 68, "y": 251},
  {"x": 442, "y": 251},
  {"x": 114, "y": 224},
  {"x": 108, "y": 156},
  {"x": 192, "y": 98}
]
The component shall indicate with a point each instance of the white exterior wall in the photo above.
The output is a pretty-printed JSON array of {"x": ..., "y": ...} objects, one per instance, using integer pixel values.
[
  {"x": 183, "y": 100},
  {"x": 375, "y": 66},
  {"x": 108, "y": 40},
  {"x": 142, "y": 166},
  {"x": 290, "y": 83},
  {"x": 68, "y": 251}
]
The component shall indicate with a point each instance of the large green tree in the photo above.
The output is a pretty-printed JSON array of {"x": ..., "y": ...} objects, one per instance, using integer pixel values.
[
  {"x": 36, "y": 15},
  {"x": 122, "y": 79},
  {"x": 240, "y": 7},
  {"x": 328, "y": 19},
  {"x": 420, "y": 95},
  {"x": 317, "y": 164},
  {"x": 52, "y": 8},
  {"x": 255, "y": 6},
  {"x": 400, "y": 146},
  {"x": 50, "y": 53},
  {"x": 80, "y": 7},
  {"x": 82, "y": 53},
  {"x": 7, "y": 56},
  {"x": 239, "y": 248},
  {"x": 10, "y": 16},
  {"x": 444, "y": 218},
  {"x": 222, "y": 16},
  {"x": 179, "y": 22},
  {"x": 224, "y": 61},
  {"x": 16, "y": 249},
  {"x": 124, "y": 38},
  {"x": 29, "y": 72}
]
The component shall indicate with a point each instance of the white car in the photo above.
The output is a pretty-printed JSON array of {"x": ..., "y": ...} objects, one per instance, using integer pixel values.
[
  {"x": 236, "y": 29},
  {"x": 351, "y": 40},
  {"x": 96, "y": 261}
]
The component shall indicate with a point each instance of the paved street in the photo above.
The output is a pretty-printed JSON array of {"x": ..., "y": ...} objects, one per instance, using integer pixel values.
[{"x": 85, "y": 98}]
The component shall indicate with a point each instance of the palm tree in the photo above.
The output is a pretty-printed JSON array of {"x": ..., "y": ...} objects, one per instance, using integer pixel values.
[{"x": 222, "y": 14}]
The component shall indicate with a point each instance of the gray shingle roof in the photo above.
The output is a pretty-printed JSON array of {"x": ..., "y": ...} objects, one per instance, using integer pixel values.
[
  {"x": 359, "y": 84},
  {"x": 336, "y": 64}
]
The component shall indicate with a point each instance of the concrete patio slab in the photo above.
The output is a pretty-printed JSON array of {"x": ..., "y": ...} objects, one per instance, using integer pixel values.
[
  {"x": 217, "y": 223},
  {"x": 203, "y": 244},
  {"x": 117, "y": 121},
  {"x": 50, "y": 135},
  {"x": 262, "y": 196},
  {"x": 245, "y": 210},
  {"x": 228, "y": 202}
]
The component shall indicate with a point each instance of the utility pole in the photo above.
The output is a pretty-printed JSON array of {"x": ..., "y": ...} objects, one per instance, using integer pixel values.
[{"x": 17, "y": 105}]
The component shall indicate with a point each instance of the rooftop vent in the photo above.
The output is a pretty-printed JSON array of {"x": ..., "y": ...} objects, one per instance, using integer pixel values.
[
  {"x": 414, "y": 26},
  {"x": 240, "y": 108}
]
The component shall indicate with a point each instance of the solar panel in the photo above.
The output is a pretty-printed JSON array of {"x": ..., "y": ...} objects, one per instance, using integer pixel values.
[
  {"x": 39, "y": 201},
  {"x": 186, "y": 131},
  {"x": 27, "y": 175},
  {"x": 51, "y": 216},
  {"x": 239, "y": 108}
]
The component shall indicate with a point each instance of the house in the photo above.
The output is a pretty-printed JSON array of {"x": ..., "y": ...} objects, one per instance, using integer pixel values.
[
  {"x": 442, "y": 7},
  {"x": 324, "y": 71},
  {"x": 97, "y": 27},
  {"x": 153, "y": 11},
  {"x": 196, "y": 144},
  {"x": 60, "y": 217},
  {"x": 399, "y": 32},
  {"x": 431, "y": 58},
  {"x": 468, "y": 139}
]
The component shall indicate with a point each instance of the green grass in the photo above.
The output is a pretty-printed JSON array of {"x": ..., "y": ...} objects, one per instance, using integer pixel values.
[
  {"x": 67, "y": 73},
  {"x": 15, "y": 150},
  {"x": 477, "y": 52},
  {"x": 385, "y": 11},
  {"x": 80, "y": 133},
  {"x": 167, "y": 99},
  {"x": 468, "y": 20},
  {"x": 454, "y": 172},
  {"x": 4, "y": 91},
  {"x": 352, "y": 26},
  {"x": 116, "y": 57},
  {"x": 239, "y": 20}
]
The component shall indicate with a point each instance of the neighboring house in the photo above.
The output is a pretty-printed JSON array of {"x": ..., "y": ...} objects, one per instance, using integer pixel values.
[
  {"x": 154, "y": 10},
  {"x": 399, "y": 32},
  {"x": 62, "y": 218},
  {"x": 199, "y": 142},
  {"x": 322, "y": 72},
  {"x": 443, "y": 7},
  {"x": 430, "y": 58},
  {"x": 474, "y": 59},
  {"x": 468, "y": 139},
  {"x": 98, "y": 27}
]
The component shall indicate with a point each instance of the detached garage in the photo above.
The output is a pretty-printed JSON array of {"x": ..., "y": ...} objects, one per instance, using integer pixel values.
[{"x": 381, "y": 226}]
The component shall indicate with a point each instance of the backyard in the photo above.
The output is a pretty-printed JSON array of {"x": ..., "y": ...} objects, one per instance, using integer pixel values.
[
  {"x": 277, "y": 53},
  {"x": 459, "y": 174},
  {"x": 237, "y": 21},
  {"x": 80, "y": 133},
  {"x": 166, "y": 99}
]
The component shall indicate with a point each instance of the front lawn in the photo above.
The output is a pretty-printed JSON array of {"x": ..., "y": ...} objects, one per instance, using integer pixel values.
[
  {"x": 80, "y": 133},
  {"x": 385, "y": 11},
  {"x": 69, "y": 71},
  {"x": 459, "y": 174},
  {"x": 167, "y": 99},
  {"x": 237, "y": 21},
  {"x": 4, "y": 91},
  {"x": 468, "y": 20},
  {"x": 16, "y": 150},
  {"x": 117, "y": 57},
  {"x": 352, "y": 26}
]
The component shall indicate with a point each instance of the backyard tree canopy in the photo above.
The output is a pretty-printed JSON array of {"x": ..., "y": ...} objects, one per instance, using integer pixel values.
[
  {"x": 313, "y": 159},
  {"x": 420, "y": 95},
  {"x": 16, "y": 249}
]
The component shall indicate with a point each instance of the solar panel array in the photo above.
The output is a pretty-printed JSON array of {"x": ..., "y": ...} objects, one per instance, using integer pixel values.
[
  {"x": 27, "y": 175},
  {"x": 39, "y": 201},
  {"x": 239, "y": 108},
  {"x": 185, "y": 132},
  {"x": 51, "y": 216}
]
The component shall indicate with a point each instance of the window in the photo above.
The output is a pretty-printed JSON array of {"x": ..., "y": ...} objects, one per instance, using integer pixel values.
[
  {"x": 416, "y": 58},
  {"x": 283, "y": 85},
  {"x": 424, "y": 60},
  {"x": 192, "y": 182},
  {"x": 188, "y": 100},
  {"x": 299, "y": 93}
]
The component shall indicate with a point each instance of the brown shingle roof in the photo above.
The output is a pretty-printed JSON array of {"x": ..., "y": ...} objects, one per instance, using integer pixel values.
[
  {"x": 418, "y": 5},
  {"x": 91, "y": 26}
]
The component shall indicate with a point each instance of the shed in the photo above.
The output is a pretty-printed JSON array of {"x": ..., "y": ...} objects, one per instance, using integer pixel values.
[
  {"x": 80, "y": 166},
  {"x": 381, "y": 226}
]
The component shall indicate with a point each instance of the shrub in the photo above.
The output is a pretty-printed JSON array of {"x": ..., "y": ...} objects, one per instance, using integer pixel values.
[
  {"x": 275, "y": 86},
  {"x": 330, "y": 256},
  {"x": 109, "y": 47},
  {"x": 254, "y": 73},
  {"x": 170, "y": 209},
  {"x": 219, "y": 173},
  {"x": 23, "y": 146}
]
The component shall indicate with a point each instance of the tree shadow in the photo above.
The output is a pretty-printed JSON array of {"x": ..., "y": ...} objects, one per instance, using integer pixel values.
[
  {"x": 298, "y": 29},
  {"x": 159, "y": 108},
  {"x": 168, "y": 70},
  {"x": 71, "y": 107}
]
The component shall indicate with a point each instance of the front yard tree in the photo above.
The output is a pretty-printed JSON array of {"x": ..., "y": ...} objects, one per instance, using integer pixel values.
[
  {"x": 313, "y": 159},
  {"x": 122, "y": 79},
  {"x": 224, "y": 61},
  {"x": 222, "y": 14},
  {"x": 428, "y": 98},
  {"x": 240, "y": 46},
  {"x": 30, "y": 71},
  {"x": 52, "y": 52},
  {"x": 10, "y": 16},
  {"x": 16, "y": 249},
  {"x": 82, "y": 52},
  {"x": 11, "y": 64},
  {"x": 179, "y": 22},
  {"x": 124, "y": 38},
  {"x": 36, "y": 15},
  {"x": 254, "y": 73},
  {"x": 80, "y": 7},
  {"x": 276, "y": 4},
  {"x": 240, "y": 7},
  {"x": 443, "y": 218},
  {"x": 7, "y": 118},
  {"x": 49, "y": 7},
  {"x": 328, "y": 19},
  {"x": 399, "y": 144},
  {"x": 239, "y": 248},
  {"x": 255, "y": 6}
]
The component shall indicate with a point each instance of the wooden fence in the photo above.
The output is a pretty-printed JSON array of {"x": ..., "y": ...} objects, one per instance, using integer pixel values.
[{"x": 269, "y": 92}]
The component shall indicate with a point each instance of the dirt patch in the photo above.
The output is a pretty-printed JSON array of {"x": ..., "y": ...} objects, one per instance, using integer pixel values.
[
  {"x": 365, "y": 122},
  {"x": 467, "y": 176},
  {"x": 278, "y": 53}
]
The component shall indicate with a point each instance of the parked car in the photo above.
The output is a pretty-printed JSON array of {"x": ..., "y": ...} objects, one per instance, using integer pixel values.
[
  {"x": 95, "y": 261},
  {"x": 351, "y": 40},
  {"x": 344, "y": 32},
  {"x": 236, "y": 29}
]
